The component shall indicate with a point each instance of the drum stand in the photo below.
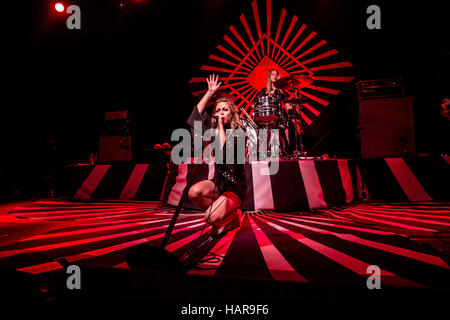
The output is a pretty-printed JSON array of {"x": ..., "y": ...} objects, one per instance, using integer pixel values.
[
  {"x": 267, "y": 152},
  {"x": 299, "y": 151}
]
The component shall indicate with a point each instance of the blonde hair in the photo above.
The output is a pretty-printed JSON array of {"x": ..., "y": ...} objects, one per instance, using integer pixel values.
[
  {"x": 235, "y": 120},
  {"x": 269, "y": 86}
]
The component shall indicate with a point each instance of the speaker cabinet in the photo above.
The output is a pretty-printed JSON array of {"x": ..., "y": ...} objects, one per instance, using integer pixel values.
[
  {"x": 387, "y": 127},
  {"x": 115, "y": 148}
]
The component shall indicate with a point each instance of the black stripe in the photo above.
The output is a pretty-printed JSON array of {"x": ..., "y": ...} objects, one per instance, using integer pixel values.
[
  {"x": 244, "y": 257},
  {"x": 112, "y": 184},
  {"x": 395, "y": 240},
  {"x": 249, "y": 200},
  {"x": 311, "y": 264},
  {"x": 399, "y": 219},
  {"x": 331, "y": 182},
  {"x": 28, "y": 259},
  {"x": 433, "y": 174},
  {"x": 288, "y": 188},
  {"x": 352, "y": 169},
  {"x": 70, "y": 179},
  {"x": 171, "y": 179},
  {"x": 201, "y": 173},
  {"x": 152, "y": 182},
  {"x": 117, "y": 257},
  {"x": 410, "y": 269},
  {"x": 380, "y": 181}
]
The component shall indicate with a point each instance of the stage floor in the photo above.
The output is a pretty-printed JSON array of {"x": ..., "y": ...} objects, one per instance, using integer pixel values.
[{"x": 408, "y": 242}]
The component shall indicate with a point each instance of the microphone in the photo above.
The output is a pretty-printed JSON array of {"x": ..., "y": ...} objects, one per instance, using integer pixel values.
[{"x": 216, "y": 117}]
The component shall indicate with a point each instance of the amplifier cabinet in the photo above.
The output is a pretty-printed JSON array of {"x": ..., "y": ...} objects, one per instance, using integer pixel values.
[
  {"x": 115, "y": 148},
  {"x": 387, "y": 127},
  {"x": 380, "y": 88}
]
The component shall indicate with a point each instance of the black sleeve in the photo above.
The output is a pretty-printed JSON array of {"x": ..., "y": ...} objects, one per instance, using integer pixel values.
[{"x": 204, "y": 117}]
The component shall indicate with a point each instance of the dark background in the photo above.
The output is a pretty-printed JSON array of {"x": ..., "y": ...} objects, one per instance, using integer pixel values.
[{"x": 59, "y": 82}]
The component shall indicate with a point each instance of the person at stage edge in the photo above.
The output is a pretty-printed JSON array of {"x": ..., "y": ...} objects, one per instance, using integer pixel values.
[
  {"x": 220, "y": 197},
  {"x": 442, "y": 92}
]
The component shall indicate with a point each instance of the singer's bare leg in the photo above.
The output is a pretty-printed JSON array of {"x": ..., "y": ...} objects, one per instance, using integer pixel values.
[
  {"x": 222, "y": 210},
  {"x": 203, "y": 193}
]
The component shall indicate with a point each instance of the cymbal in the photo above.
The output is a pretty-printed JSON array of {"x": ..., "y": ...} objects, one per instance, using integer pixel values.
[{"x": 297, "y": 81}]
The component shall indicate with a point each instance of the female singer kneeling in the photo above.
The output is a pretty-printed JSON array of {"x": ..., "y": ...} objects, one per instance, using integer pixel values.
[{"x": 221, "y": 196}]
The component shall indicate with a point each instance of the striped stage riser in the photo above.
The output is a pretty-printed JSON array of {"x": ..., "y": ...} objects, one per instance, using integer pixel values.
[
  {"x": 117, "y": 181},
  {"x": 318, "y": 184},
  {"x": 298, "y": 185},
  {"x": 405, "y": 179},
  {"x": 330, "y": 247}
]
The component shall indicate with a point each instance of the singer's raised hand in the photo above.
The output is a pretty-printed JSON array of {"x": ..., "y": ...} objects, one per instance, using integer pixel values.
[{"x": 213, "y": 84}]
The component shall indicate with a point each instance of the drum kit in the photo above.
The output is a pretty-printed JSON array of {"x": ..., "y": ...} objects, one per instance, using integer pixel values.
[{"x": 268, "y": 114}]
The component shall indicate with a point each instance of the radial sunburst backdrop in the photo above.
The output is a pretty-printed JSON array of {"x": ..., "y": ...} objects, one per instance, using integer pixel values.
[{"x": 246, "y": 54}]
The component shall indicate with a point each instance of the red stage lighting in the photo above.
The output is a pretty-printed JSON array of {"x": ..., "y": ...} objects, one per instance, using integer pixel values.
[{"x": 59, "y": 7}]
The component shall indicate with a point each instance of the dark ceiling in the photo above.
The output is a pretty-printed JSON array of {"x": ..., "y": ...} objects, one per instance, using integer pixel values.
[{"x": 141, "y": 57}]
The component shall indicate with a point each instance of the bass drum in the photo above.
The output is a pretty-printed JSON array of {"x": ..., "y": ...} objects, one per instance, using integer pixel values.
[
  {"x": 267, "y": 110},
  {"x": 251, "y": 144}
]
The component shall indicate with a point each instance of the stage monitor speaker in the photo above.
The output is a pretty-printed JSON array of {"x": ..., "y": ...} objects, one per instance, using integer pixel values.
[
  {"x": 153, "y": 258},
  {"x": 115, "y": 148},
  {"x": 387, "y": 127}
]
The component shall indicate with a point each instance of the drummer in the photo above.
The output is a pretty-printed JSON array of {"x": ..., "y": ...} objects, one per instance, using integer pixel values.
[
  {"x": 272, "y": 91},
  {"x": 282, "y": 96}
]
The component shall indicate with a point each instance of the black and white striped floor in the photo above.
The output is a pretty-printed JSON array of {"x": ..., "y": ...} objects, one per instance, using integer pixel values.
[{"x": 332, "y": 246}]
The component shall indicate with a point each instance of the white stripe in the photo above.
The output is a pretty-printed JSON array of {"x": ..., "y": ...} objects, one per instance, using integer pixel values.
[
  {"x": 92, "y": 181},
  {"x": 262, "y": 187},
  {"x": 359, "y": 183},
  {"x": 134, "y": 181},
  {"x": 346, "y": 180},
  {"x": 211, "y": 170},
  {"x": 407, "y": 180},
  {"x": 180, "y": 184},
  {"x": 278, "y": 266},
  {"x": 312, "y": 184}
]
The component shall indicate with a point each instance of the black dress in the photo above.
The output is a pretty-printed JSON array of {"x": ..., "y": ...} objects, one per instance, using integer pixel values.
[
  {"x": 282, "y": 95},
  {"x": 227, "y": 177}
]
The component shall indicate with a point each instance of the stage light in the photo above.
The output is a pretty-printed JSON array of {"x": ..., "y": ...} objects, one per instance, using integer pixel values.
[{"x": 59, "y": 7}]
